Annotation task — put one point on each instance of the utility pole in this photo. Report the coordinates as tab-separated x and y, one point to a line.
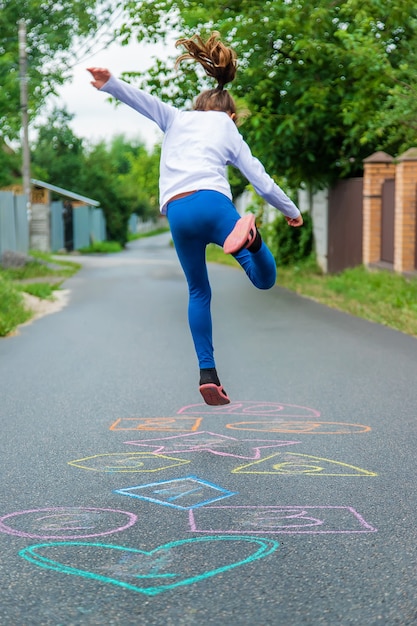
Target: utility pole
25	117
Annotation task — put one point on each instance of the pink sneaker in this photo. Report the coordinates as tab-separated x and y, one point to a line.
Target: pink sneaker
214	394
242	235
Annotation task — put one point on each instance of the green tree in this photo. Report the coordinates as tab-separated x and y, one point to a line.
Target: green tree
140	183
123	178
53	28
396	119
57	156
121	174
101	185
313	74
9	165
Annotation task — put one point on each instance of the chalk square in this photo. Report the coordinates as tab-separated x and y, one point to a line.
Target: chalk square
278	520
158	424
185	493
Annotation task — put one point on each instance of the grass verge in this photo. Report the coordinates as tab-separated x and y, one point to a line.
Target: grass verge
12	308
102	247
31	278
376	295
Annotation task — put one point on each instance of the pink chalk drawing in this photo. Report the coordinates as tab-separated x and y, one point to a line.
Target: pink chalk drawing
277	520
203	441
275	417
249	408
66	522
170	424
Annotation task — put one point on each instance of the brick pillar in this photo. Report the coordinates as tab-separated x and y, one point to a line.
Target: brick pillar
405	212
377	168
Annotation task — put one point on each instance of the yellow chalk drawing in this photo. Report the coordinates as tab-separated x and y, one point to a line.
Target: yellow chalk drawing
166	424
301	427
294	463
115	462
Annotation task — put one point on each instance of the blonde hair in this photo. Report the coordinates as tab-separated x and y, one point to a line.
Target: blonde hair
219	62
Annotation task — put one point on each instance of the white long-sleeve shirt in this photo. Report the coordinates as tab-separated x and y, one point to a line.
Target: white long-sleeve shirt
197	148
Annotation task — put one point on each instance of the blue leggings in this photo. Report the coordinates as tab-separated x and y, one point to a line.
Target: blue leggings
196	220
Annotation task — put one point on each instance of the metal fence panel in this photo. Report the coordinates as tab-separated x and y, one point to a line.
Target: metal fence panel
57	226
81	224
7	222
133	223
103	231
97	225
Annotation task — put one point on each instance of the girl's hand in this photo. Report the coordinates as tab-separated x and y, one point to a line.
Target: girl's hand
100	75
294	221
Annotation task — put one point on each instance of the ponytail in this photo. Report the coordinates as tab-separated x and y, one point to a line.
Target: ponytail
218	61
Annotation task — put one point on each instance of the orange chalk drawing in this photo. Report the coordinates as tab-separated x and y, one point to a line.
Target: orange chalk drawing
301	428
166	424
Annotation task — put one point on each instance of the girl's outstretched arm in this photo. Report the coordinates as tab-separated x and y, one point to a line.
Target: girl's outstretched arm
101	76
145	103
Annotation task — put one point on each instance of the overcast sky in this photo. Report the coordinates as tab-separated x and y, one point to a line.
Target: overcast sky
96	118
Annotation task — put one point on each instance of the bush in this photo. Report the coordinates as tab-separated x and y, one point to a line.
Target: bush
289	245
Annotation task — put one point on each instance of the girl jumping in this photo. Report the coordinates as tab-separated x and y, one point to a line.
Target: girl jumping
195	195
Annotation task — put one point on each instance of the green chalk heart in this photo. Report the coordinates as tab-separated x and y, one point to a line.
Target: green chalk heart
166	567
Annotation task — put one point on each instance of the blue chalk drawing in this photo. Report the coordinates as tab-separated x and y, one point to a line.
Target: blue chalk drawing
185	493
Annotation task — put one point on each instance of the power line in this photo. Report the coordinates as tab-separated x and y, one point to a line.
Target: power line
82	55
84	58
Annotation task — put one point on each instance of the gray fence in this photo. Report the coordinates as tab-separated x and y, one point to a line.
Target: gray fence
139	226
14	225
87	225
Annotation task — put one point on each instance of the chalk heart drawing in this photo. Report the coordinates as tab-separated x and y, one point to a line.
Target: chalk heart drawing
171	565
66	522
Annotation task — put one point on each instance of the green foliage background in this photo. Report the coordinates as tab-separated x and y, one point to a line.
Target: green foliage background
327	83
120	174
289	245
54	31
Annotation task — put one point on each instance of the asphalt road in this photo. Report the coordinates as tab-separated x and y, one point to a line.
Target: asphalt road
127	501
